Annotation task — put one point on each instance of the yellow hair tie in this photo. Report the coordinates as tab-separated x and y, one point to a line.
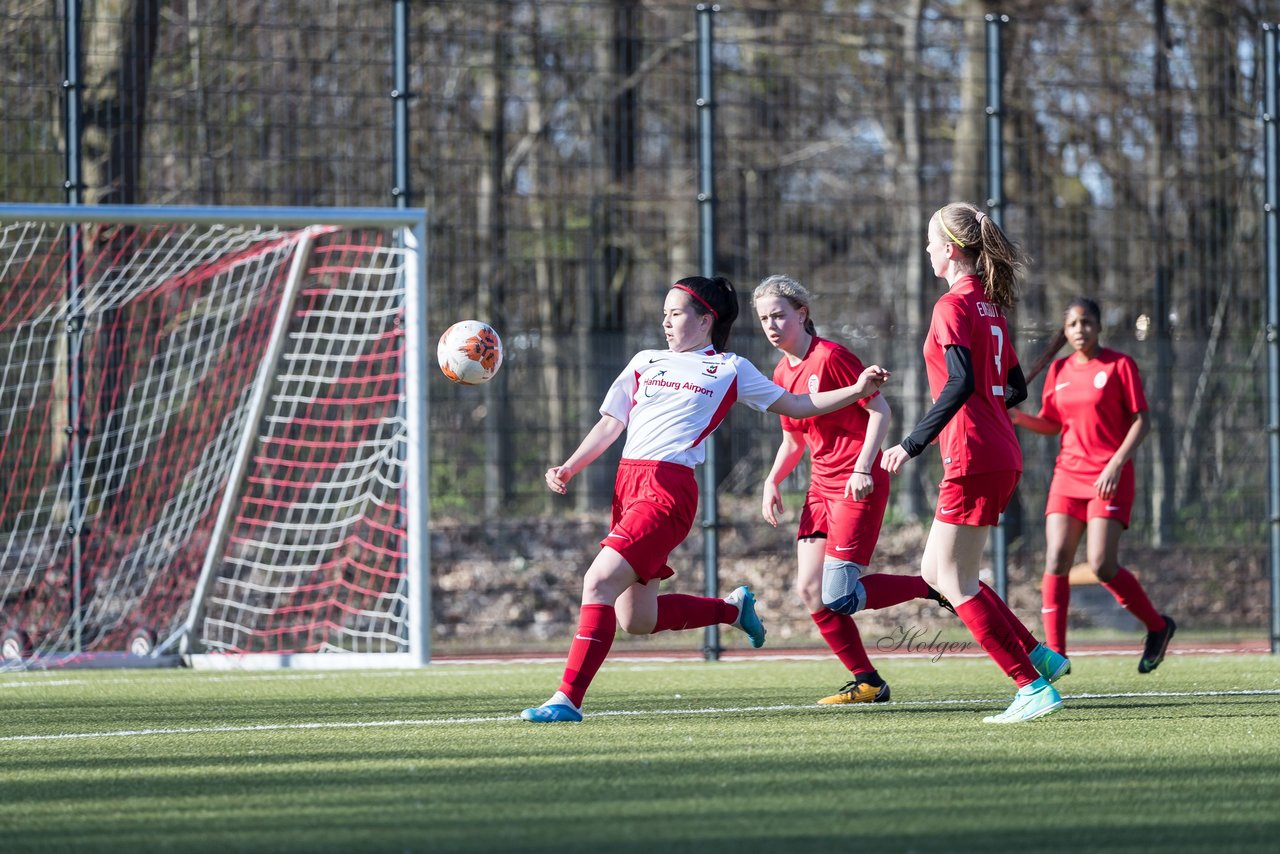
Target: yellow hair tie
957	241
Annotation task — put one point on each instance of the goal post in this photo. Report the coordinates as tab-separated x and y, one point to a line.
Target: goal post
213	436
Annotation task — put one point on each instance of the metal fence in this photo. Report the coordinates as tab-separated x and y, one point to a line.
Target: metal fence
555	145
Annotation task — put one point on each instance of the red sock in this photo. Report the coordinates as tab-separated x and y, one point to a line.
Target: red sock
842	635
993	634
591	642
1019	629
1129	593
885	589
681	611
1055	594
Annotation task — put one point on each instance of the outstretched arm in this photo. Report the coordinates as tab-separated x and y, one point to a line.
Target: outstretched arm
597	440
822	402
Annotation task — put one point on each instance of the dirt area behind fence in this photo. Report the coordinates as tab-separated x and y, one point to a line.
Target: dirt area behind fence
518	583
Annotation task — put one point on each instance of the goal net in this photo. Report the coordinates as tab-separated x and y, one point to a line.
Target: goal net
208	433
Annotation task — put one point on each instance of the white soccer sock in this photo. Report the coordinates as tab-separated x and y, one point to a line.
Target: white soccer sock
559	699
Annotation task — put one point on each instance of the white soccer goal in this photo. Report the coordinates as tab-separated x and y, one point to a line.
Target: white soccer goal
212	435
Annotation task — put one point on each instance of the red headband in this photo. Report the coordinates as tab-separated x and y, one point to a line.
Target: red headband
705	304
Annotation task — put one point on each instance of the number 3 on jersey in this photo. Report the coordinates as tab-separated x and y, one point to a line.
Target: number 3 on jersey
998	333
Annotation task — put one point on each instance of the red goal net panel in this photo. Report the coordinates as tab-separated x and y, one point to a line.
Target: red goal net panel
203	426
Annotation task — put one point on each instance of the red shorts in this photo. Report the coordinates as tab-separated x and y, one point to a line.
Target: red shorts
653	508
852	528
976	499
1118	506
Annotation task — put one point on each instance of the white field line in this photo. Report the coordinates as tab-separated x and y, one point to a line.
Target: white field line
487	667
861	709
921	652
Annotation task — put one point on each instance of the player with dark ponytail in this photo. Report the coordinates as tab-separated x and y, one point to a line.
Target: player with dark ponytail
719	297
1095	400
667	401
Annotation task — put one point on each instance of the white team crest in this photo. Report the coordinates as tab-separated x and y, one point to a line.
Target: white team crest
813	383
1100	379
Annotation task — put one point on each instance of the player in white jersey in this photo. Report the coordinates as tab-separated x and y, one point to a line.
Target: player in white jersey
668	402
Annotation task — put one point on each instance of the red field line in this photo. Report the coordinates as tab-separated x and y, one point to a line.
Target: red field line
1250	646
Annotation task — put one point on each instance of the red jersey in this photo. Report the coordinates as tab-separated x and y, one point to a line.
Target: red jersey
1095	402
980	437
834	440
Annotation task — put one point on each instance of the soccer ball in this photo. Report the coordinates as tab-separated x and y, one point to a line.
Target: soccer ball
469	352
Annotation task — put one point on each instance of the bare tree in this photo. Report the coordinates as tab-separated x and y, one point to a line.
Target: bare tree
119	51
1213	237
550	302
603	323
912	220
968	148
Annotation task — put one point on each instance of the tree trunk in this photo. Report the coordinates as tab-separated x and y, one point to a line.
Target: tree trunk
968	149
119	50
605	323
914	216
208	188
1211	225
550	307
491	227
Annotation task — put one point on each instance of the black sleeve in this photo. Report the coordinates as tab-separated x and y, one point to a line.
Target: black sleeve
1017	390
957	390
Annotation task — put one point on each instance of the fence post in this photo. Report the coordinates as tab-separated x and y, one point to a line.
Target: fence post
414	364
995	209
400	103
1270	117
74	319
707	267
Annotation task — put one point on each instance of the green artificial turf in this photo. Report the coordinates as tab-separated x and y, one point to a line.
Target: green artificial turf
686	755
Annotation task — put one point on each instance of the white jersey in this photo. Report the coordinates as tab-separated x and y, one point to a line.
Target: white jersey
670	402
